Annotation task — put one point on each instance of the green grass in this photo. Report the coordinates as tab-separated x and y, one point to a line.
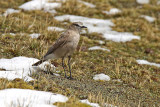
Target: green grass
140	84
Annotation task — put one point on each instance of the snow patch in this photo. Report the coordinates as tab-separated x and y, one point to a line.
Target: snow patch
10	11
101	77
34	35
120	36
100	26
54	29
94	25
101	42
17	63
11	75
148	18
87	4
112	11
89	103
143	1
12	34
40	5
29	98
51	11
109	105
20	67
98	48
117	80
147	63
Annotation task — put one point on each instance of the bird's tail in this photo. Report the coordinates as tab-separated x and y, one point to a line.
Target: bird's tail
38	63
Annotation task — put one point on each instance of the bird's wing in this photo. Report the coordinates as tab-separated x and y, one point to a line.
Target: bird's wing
59	43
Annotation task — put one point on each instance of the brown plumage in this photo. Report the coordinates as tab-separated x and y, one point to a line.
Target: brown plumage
64	46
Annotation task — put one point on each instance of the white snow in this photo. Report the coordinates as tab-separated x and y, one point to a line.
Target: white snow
98	48
91	104
39	5
12	34
112	11
101	42
117	80
94	25
87	4
20	67
51	11
17	63
34	35
147	63
10	11
100	26
11	75
148	18
120	36
56	74
142	1
109	105
101	77
29	98
54	29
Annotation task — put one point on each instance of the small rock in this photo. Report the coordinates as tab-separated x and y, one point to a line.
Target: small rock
148	51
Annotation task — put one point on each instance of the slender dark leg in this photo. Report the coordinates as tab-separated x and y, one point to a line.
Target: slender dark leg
69	65
64	67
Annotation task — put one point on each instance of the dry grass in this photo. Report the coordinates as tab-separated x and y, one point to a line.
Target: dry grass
140	84
72	102
16	83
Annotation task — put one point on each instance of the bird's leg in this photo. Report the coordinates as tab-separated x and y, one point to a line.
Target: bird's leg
69	65
64	67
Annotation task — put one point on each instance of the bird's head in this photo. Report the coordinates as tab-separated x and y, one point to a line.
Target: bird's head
77	26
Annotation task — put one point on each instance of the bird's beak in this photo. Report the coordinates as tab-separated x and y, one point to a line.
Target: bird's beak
83	27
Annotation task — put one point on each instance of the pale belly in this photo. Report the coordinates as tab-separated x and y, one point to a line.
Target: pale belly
65	50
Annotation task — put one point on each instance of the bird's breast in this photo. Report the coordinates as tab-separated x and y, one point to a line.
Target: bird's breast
75	40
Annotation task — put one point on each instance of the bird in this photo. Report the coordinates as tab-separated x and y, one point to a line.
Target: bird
64	46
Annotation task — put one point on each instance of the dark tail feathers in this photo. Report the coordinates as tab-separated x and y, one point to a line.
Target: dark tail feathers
38	63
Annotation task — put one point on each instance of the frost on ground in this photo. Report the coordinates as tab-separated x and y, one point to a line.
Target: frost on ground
40	5
10	11
148	18
142	1
101	77
98	48
147	63
100	26
54	29
112	11
91	104
34	35
29	98
20	67
87	4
